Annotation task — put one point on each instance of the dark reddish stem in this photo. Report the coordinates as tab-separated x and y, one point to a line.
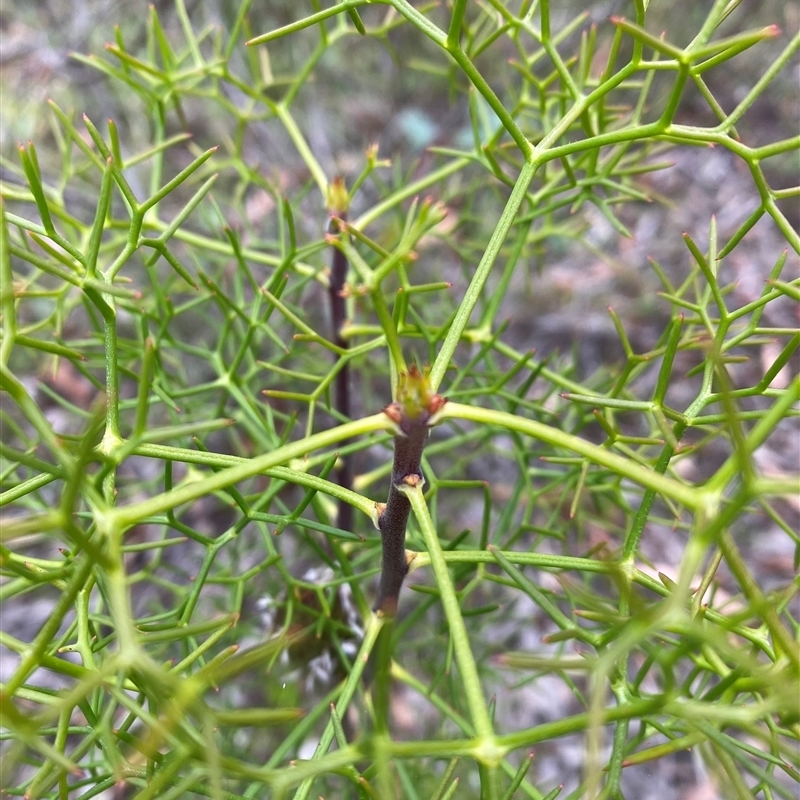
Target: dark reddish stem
414	425
341	386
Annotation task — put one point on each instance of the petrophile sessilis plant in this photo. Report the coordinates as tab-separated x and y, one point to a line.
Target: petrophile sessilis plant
213	308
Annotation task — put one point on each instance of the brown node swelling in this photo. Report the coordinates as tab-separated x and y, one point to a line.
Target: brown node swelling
412	415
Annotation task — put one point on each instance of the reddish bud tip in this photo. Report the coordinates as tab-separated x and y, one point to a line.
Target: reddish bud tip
394	412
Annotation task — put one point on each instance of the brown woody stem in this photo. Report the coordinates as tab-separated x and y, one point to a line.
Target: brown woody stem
412	414
337	202
341	400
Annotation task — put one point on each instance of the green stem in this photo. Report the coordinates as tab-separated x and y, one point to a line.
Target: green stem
763	428
456	21
410	190
374	626
783	639
7	299
302	147
420	22
475	288
307	22
19	394
689	496
458	631
32	657
397	362
758	88
126	516
112	437
460	57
